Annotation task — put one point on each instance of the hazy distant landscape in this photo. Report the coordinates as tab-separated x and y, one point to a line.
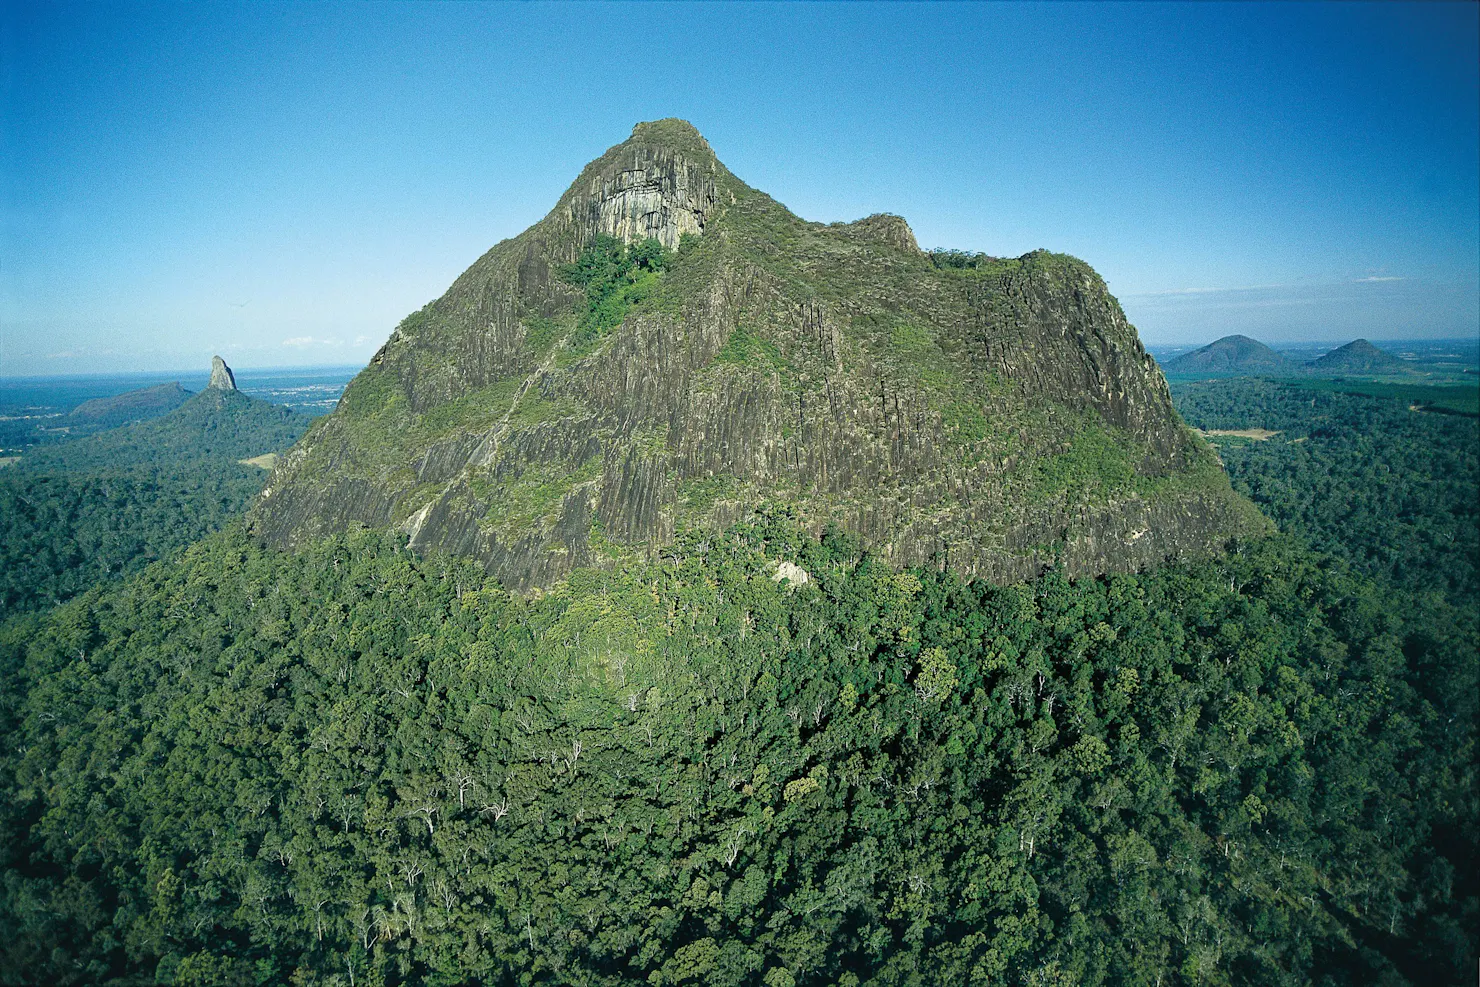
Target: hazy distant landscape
35	410
1440	356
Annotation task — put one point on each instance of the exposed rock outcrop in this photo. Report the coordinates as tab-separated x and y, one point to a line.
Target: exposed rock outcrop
222	379
991	419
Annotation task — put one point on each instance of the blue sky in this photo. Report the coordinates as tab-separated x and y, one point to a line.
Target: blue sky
282	183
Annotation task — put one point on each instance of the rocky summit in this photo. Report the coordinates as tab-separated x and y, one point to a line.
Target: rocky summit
222	379
671	349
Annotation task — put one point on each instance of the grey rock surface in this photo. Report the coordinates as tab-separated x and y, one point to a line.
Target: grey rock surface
993	419
222	379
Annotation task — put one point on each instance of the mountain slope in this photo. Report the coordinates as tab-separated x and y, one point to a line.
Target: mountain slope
1231	354
1358	355
215	424
571	398
146	402
101	507
354	765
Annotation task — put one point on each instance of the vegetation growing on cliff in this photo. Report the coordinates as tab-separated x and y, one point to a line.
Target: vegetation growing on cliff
615	276
834	368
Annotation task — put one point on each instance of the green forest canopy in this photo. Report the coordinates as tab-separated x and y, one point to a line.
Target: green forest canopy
353	765
106	505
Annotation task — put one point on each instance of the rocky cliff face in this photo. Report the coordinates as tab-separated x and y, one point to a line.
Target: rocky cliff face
222	379
989	416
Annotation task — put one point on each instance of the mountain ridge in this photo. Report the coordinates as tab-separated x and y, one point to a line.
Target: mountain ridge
995	418
139	404
215	424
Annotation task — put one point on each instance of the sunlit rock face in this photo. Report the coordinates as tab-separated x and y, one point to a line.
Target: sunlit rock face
659	193
990	415
222	379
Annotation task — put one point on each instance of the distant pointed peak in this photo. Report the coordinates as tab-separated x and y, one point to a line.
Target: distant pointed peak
222	379
673	133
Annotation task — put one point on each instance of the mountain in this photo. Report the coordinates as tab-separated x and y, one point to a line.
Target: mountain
1358	355
146	402
219	423
101	507
222	379
670	348
1231	354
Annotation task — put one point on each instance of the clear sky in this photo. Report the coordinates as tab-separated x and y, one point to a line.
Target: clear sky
283	183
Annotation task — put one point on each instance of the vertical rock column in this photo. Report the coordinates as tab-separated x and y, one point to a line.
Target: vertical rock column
222	378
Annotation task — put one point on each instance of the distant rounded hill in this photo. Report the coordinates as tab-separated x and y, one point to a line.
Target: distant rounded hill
1358	355
1231	354
147	402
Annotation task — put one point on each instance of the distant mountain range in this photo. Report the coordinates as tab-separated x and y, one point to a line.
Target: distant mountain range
146	402
1242	355
219	423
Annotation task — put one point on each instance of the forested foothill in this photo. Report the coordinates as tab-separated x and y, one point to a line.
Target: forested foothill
356	765
105	505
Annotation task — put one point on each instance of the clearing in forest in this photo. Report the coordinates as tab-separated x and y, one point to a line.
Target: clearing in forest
1257	434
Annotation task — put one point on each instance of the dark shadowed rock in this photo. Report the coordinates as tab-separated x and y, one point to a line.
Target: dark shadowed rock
990	418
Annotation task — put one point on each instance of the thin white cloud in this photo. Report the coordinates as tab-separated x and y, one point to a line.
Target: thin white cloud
1205	291
303	342
1241	289
76	352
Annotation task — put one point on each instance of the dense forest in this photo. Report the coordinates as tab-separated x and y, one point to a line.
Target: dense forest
1394	490
106	505
1390	489
353	765
62	531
